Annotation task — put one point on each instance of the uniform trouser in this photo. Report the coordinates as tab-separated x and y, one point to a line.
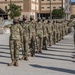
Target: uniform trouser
50	38
66	31
25	46
45	42
54	37
62	35
57	37
74	46
69	30
39	43
32	45
74	40
14	49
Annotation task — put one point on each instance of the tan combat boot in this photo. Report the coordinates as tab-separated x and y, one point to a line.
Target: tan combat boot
26	58
40	51
16	63
12	63
22	58
49	44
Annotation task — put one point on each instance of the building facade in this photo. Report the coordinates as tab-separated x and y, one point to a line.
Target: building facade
38	8
68	8
47	6
73	8
29	7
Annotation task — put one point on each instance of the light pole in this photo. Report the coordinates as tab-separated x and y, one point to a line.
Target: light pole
10	1
50	11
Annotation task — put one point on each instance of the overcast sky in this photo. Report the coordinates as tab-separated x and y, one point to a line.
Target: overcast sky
73	0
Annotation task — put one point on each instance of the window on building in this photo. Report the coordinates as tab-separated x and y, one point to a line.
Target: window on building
5	0
42	7
54	7
54	0
5	7
48	7
60	7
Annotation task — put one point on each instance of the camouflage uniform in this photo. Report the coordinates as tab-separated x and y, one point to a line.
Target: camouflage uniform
25	44
58	32
32	37
54	33
14	42
45	35
39	33
50	33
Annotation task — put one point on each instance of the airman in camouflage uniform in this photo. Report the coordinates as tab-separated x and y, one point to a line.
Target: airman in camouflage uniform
50	33
54	32
14	42
32	37
39	35
58	32
25	44
45	34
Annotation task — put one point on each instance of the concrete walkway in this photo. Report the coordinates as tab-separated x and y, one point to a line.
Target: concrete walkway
54	61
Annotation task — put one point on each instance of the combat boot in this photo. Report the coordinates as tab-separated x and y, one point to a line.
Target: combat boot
32	55
26	58
16	63
22	58
12	63
37	51
40	51
49	44
73	57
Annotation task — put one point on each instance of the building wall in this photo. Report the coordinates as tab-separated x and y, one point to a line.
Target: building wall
4	3
47	6
73	9
68	8
34	7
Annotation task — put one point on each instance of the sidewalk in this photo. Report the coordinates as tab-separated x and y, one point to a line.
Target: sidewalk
54	61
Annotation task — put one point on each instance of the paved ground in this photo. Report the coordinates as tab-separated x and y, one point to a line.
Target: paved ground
55	61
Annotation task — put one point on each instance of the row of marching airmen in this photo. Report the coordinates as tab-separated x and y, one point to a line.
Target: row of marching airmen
34	36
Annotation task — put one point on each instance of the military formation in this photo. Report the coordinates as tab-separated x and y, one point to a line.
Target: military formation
34	36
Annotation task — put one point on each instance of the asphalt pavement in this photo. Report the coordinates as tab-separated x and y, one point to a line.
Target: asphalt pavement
54	61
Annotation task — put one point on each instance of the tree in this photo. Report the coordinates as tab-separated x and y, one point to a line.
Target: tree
58	13
14	11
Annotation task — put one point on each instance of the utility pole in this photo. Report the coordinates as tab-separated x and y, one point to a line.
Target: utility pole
10	1
35	10
50	10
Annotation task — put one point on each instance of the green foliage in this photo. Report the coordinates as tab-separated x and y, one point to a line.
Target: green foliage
58	13
14	10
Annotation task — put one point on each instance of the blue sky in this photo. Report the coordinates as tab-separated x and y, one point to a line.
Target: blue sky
72	0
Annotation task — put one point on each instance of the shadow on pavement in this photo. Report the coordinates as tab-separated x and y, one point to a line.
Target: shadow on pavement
4	56
5	45
4	52
3	63
65	45
54	58
58	51
4	48
54	68
55	55
60	48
